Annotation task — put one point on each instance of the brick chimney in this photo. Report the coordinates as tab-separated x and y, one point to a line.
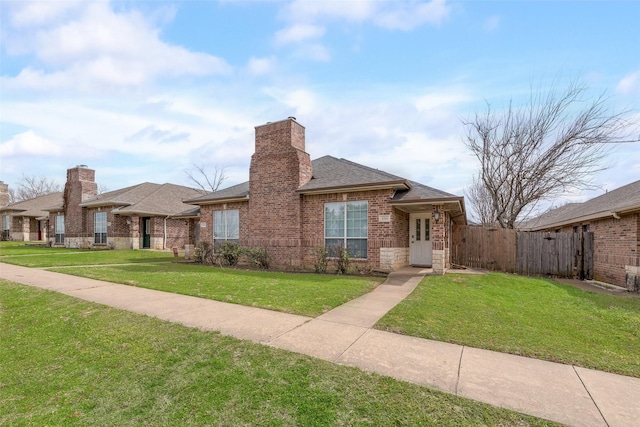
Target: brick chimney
4	194
279	167
80	186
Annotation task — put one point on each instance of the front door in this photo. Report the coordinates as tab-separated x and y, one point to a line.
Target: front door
146	233
420	239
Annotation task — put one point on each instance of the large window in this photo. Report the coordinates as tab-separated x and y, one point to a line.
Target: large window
59	229
226	227
6	227
100	228
346	225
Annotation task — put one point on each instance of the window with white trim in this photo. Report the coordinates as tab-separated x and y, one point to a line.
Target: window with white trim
100	228
6	227
226	227
59	229
346	225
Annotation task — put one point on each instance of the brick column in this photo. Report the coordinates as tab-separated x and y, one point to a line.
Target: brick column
438	240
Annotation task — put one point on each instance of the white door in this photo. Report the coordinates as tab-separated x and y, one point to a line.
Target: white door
420	239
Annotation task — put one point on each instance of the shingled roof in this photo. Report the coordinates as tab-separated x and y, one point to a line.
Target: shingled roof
146	199
613	203
36	207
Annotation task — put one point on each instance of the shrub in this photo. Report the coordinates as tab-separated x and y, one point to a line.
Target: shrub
342	259
260	257
321	259
203	253
230	252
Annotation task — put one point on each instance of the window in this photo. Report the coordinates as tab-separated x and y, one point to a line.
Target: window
59	229
226	227
346	225
100	228
6	227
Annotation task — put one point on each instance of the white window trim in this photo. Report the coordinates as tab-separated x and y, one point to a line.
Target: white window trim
345	239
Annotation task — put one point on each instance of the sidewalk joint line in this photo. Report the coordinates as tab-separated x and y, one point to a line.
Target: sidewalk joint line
290	330
459	368
335	359
590	396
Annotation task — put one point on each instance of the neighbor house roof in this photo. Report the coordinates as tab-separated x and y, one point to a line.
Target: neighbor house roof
146	199
614	203
331	174
36	207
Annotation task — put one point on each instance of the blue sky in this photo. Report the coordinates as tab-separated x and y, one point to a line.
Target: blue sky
140	91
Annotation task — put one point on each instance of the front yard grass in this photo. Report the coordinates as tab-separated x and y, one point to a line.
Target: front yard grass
526	316
298	293
74	363
30	255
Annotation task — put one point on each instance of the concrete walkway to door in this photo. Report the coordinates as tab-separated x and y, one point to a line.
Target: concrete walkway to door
563	393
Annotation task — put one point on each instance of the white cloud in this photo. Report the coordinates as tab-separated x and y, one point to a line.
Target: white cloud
409	15
100	47
33	13
299	32
31	144
260	66
301	101
629	84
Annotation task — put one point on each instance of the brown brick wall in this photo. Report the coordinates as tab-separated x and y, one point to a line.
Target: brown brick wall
80	186
279	167
616	244
206	217
391	234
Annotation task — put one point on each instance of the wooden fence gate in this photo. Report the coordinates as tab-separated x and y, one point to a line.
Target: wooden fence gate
526	253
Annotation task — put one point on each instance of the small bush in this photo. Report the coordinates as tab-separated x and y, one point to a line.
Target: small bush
342	259
259	257
321	259
203	253
230	252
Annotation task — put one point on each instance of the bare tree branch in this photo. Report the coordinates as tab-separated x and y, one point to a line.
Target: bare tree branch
30	186
206	180
553	144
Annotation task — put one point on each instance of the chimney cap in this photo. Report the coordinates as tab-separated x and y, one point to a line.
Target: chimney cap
82	166
292	118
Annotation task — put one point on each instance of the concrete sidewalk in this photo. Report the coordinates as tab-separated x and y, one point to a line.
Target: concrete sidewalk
563	393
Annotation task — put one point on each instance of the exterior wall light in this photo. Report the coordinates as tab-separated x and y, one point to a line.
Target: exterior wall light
436	214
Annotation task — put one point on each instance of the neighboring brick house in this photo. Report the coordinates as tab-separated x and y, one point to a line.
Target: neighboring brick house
137	217
614	219
292	205
26	220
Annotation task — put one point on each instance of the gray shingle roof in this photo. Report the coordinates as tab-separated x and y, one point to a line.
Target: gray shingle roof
35	207
146	198
625	198
330	172
240	191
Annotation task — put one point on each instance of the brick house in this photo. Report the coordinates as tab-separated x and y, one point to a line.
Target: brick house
136	217
26	220
614	219
292	205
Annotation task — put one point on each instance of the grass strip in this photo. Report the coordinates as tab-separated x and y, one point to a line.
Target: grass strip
73	363
298	293
526	316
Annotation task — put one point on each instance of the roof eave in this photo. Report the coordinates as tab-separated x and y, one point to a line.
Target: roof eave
217	201
394	185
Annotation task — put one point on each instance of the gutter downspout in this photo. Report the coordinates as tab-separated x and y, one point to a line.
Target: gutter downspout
164	243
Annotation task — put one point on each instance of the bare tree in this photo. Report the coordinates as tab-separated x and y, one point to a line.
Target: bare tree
554	143
479	198
30	186
207	180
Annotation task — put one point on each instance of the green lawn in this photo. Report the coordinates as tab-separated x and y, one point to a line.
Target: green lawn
67	362
297	293
19	253
526	316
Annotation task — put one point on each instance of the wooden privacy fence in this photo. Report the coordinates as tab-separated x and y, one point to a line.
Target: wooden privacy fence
527	253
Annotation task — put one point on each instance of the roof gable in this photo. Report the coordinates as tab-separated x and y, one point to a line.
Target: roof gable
36	207
146	198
